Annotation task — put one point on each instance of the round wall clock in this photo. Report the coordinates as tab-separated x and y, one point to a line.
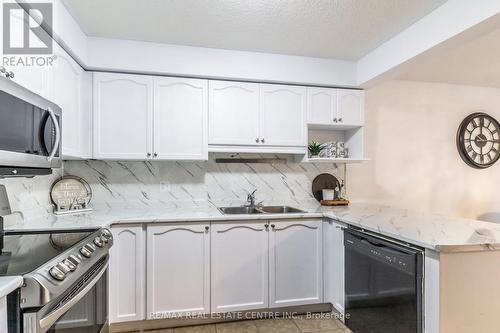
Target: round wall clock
478	140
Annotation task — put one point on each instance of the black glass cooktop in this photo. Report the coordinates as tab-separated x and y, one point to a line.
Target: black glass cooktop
24	252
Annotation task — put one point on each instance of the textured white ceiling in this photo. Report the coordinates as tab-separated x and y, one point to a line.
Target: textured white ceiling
475	63
342	29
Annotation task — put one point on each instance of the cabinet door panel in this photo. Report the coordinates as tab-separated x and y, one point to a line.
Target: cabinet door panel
66	85
282	115
180	119
123	110
295	263
333	267
321	105
178	276
127	274
239	266
233	113
350	106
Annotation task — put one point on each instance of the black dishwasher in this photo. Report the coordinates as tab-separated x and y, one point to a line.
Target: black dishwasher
383	284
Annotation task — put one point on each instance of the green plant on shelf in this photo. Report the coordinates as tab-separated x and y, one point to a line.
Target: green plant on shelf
315	148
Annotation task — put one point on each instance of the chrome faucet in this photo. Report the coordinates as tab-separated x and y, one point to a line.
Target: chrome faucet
251	199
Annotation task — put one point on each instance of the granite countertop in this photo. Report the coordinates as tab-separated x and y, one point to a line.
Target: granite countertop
431	231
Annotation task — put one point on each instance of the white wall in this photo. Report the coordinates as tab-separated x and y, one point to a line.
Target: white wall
410	137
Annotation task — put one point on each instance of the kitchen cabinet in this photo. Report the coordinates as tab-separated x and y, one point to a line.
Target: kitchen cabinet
180	118
282	115
139	117
234	113
71	89
333	263
340	107
123	113
127	274
178	269
239	269
256	115
295	263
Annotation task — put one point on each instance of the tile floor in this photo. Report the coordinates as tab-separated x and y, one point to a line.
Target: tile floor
300	324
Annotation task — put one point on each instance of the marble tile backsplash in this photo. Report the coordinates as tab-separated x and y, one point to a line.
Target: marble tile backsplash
175	184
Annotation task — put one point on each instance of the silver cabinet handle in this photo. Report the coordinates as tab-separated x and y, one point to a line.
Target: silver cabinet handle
2	69
257	140
10	75
148	154
207	228
340	120
334	120
58	135
155	155
262	140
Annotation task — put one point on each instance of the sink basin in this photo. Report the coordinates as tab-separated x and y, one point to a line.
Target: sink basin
280	210
260	210
239	210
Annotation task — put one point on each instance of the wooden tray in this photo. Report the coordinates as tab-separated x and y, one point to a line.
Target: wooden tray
341	202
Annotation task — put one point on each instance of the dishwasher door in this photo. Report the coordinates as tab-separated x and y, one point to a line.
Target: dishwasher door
383	285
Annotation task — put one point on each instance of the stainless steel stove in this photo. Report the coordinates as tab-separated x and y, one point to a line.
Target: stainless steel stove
65	280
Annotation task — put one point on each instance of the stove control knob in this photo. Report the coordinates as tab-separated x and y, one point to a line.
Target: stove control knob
70	265
98	242
85	252
57	274
104	239
89	247
63	268
107	234
74	260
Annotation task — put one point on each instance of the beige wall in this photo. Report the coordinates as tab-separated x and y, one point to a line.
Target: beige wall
410	138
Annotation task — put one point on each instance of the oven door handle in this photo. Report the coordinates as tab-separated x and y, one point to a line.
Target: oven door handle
58	135
49	320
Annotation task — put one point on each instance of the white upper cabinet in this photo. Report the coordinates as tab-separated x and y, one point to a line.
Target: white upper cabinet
123	111
180	118
321	105
341	107
70	90
350	107
127	274
233	113
178	269
295	263
282	115
239	266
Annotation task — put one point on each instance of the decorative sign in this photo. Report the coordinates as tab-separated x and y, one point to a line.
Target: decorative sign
71	194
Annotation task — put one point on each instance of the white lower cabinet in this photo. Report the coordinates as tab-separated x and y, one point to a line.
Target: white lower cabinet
333	263
127	274
178	269
239	274
295	263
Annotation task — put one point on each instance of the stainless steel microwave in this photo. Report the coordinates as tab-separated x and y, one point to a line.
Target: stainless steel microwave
30	128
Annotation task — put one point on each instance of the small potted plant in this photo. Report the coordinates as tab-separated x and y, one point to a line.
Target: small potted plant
314	149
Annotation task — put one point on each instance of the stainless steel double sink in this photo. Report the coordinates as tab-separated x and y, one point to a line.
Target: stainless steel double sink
260	210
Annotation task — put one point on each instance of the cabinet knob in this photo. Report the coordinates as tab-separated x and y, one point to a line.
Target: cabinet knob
2	69
155	155
340	120
207	228
257	140
10	74
148	154
273	226
266	226
334	120
262	140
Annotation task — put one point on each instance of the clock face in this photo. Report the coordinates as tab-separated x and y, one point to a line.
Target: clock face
478	140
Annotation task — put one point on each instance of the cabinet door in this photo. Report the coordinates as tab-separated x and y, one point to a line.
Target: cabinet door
178	276
321	105
233	113
350	107
239	266
66	81
295	263
333	272
180	119
127	274
282	115
123	110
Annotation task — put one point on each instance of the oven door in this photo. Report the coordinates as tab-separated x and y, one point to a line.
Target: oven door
83	309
